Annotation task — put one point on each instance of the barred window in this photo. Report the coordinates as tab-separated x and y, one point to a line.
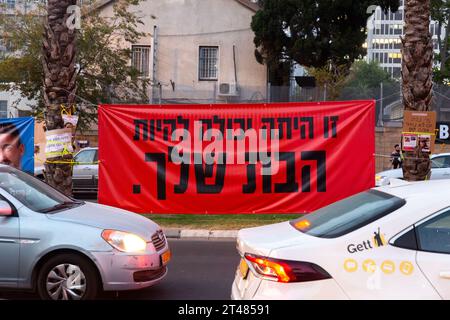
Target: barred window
208	58
141	60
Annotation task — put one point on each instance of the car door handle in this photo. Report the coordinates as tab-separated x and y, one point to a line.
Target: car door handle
445	275
87	168
7	241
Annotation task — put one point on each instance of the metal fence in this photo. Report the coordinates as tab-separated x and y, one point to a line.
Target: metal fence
388	97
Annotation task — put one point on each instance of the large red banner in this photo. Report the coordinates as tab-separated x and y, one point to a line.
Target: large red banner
235	159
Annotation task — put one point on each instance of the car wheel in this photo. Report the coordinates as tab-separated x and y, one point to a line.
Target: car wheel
68	277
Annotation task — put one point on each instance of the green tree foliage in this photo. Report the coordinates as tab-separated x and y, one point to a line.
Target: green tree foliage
313	33
332	80
364	82
103	59
370	75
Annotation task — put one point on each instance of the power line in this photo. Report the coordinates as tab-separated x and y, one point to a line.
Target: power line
203	34
81	98
396	93
440	94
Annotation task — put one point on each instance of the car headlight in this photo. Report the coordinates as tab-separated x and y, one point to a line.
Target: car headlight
124	241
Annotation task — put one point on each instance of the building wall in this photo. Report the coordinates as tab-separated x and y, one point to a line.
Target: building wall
14	100
390	58
185	25
14	103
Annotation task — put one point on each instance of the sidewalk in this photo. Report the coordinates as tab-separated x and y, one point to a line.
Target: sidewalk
175	233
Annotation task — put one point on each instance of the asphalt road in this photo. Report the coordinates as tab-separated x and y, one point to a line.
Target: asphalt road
199	270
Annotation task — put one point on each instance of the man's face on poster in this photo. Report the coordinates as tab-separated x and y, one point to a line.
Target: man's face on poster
11	150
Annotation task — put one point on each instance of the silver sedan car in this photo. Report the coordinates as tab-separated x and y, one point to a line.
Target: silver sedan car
67	249
85	171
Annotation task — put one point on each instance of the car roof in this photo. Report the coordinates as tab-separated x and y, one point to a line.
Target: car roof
429	190
89	148
439	155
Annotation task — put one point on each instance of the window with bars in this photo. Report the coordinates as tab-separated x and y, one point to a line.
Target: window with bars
3	109
141	60
207	66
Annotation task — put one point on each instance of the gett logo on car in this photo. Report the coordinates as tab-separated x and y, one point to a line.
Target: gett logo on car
377	240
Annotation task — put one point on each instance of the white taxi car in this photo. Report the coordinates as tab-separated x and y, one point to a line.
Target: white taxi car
391	242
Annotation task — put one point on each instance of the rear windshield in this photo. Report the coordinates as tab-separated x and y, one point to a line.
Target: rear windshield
347	215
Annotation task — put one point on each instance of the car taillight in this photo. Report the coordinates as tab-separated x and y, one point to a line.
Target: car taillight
286	271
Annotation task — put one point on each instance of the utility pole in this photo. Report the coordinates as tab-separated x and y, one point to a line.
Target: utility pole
380	114
155	63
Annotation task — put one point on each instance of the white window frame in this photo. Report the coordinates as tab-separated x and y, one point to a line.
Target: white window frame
142	66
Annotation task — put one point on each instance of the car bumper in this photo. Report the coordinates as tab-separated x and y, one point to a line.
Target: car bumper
270	290
123	271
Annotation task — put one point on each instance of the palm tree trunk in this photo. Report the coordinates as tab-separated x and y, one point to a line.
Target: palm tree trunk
59	84
417	87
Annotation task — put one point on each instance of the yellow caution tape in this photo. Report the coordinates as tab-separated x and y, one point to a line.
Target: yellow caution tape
420	133
68	111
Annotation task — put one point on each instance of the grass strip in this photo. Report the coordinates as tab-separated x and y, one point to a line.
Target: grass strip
219	222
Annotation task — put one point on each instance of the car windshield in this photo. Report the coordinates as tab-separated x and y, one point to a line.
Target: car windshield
347	215
33	193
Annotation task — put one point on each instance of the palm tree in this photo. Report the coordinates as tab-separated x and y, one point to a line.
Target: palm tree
59	50
417	87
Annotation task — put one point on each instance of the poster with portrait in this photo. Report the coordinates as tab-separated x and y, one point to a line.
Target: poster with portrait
422	125
17	143
70	122
409	142
425	142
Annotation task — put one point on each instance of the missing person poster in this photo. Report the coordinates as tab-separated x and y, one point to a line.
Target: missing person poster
419	131
59	143
17	143
409	142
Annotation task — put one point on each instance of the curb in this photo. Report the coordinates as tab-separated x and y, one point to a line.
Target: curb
172	233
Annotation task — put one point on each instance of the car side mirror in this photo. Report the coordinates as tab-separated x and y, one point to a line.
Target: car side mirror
5	209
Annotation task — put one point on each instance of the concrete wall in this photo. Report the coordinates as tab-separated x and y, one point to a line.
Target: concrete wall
183	26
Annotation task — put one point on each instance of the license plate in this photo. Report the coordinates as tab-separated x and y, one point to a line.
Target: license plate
243	269
165	257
